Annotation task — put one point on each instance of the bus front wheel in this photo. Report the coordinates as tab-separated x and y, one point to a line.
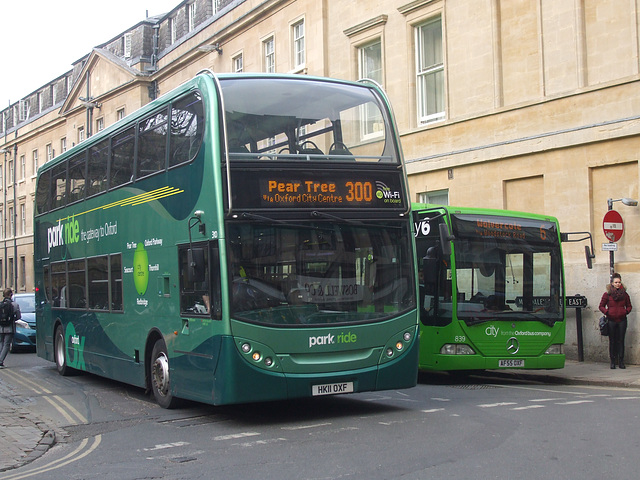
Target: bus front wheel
59	350
159	374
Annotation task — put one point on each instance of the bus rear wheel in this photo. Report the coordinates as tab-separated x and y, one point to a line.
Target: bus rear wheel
59	351
159	375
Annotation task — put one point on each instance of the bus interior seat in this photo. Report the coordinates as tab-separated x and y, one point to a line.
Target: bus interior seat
309	148
339	148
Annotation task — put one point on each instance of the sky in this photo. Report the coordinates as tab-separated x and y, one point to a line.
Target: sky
42	38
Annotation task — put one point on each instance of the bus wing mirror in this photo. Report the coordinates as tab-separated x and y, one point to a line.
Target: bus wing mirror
588	251
589	255
196	266
445	239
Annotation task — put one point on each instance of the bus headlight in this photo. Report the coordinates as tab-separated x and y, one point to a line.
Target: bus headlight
246	348
555	349
456	349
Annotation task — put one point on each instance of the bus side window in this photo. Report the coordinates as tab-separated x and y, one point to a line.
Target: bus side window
121	165
77	174
43	195
186	130
200	293
97	168
59	187
152	144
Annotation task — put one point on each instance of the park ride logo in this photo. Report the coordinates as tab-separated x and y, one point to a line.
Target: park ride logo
331	339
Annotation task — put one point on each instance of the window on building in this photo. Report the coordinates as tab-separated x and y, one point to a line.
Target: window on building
39	102
99	124
12	223
430	71
268	47
80	134
191	14
53	94
23	167
10	276
120	114
63	145
216	6
370	66
1	229
25	109
298	44
237	63
23	272
438	197
173	30
126	45
23	219
12	177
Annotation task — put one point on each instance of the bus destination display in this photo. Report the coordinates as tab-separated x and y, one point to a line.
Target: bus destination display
505	227
284	189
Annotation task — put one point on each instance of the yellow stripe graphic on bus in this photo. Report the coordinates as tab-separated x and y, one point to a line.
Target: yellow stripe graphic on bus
139	199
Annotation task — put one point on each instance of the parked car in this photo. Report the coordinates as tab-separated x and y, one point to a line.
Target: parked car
25	337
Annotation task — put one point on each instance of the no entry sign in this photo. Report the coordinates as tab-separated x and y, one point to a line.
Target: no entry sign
612	225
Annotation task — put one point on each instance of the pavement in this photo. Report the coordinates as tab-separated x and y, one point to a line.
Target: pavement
24	437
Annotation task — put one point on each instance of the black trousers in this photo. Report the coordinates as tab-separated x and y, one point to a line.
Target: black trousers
617	331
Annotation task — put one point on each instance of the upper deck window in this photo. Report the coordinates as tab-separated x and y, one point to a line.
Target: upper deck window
304	120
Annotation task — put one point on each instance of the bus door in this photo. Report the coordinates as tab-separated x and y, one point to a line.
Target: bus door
196	345
434	269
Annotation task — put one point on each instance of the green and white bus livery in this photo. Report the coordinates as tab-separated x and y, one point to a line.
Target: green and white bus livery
242	238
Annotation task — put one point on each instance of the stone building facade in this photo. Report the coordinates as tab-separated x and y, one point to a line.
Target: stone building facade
516	104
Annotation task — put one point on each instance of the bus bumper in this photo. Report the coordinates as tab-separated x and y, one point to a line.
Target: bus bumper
251	384
445	363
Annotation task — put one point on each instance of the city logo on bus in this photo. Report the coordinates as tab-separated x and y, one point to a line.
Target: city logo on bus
386	194
331	339
492	331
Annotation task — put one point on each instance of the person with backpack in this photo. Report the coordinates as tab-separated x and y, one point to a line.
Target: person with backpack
616	305
9	315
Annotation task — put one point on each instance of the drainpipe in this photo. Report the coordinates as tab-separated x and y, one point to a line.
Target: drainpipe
4	217
15	219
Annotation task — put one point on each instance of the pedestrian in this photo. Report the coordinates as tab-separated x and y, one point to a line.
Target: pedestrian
9	315
616	305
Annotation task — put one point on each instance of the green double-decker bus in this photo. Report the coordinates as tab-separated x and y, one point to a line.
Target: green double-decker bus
491	289
242	238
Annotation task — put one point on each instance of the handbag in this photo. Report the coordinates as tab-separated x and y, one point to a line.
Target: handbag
603	323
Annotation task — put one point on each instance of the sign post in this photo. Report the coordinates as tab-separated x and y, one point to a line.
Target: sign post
613	228
578	302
